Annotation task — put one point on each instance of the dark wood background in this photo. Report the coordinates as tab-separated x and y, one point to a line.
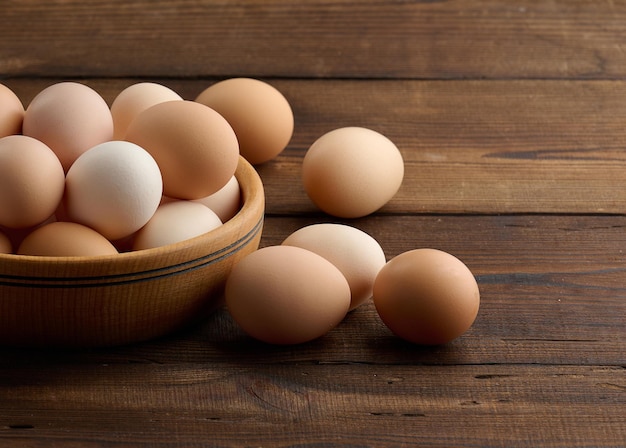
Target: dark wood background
511	117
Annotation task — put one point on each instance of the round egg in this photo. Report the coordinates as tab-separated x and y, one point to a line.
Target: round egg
5	244
31	181
114	187
174	222
11	112
226	201
352	172
195	147
426	296
65	239
133	100
70	118
259	114
286	295
356	254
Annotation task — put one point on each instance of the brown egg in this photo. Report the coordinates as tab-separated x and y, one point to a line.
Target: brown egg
426	296
32	181
194	146
259	114
65	239
358	256
286	295
70	118
352	172
11	112
133	100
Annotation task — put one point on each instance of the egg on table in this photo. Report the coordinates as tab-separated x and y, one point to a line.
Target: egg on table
286	295
426	296
351	172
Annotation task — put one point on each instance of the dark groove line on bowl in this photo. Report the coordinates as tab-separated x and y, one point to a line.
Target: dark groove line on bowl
122	279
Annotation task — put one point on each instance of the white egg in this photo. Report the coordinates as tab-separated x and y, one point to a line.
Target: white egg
114	187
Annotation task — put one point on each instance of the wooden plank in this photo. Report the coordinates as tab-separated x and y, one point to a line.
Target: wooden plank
552	293
469	146
250	404
401	39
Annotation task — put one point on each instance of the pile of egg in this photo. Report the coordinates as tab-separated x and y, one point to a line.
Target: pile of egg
78	177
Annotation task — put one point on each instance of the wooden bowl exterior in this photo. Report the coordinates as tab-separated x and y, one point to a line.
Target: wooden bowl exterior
130	297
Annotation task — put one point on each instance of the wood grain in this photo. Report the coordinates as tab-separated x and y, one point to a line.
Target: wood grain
371	39
510	117
255	405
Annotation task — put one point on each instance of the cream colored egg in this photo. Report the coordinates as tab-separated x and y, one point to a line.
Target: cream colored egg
286	295
258	112
352	172
195	147
358	256
176	221
426	296
11	112
226	201
133	100
31	181
65	239
70	118
115	188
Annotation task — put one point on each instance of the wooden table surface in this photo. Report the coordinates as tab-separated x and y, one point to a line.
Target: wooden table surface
511	118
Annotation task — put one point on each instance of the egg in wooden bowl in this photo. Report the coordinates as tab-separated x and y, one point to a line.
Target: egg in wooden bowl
108	300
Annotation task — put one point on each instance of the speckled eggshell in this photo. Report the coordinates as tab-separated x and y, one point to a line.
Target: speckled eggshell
352	172
11	112
286	295
65	239
115	188
31	181
258	112
426	296
357	255
195	147
133	100
70	118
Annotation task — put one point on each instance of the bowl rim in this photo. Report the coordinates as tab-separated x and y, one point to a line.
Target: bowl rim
251	191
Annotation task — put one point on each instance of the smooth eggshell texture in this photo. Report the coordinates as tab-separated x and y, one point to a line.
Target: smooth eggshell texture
226	201
426	296
11	112
258	112
133	100
5	244
358	256
115	188
195	147
286	295
70	118
174	222
352	172
65	239
31	181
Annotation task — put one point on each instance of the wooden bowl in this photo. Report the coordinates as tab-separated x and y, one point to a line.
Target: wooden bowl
129	297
